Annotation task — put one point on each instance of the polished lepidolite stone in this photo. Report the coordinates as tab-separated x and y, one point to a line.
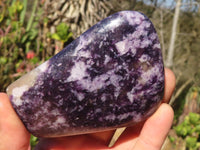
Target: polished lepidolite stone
109	77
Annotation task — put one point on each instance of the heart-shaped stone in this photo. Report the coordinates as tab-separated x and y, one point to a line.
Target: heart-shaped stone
109	77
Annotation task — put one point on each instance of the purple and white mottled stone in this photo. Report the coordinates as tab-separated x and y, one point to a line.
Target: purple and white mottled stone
109	77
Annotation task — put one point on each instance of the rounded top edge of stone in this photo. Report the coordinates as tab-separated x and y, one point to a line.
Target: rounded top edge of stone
134	17
132	13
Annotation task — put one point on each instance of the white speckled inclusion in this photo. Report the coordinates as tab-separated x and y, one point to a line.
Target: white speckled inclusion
18	88
17	93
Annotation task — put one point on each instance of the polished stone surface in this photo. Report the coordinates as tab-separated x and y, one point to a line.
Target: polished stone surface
111	76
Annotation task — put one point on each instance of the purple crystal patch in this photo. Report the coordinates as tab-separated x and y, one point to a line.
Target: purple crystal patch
109	77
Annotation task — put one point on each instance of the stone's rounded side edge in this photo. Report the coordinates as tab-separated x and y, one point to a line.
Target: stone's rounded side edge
21	85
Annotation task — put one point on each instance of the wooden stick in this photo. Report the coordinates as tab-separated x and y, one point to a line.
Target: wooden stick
116	136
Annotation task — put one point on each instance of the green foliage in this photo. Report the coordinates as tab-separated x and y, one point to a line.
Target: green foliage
15	9
24	39
33	141
189	130
194	119
30	23
191	143
3	60
17	37
171	139
62	33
